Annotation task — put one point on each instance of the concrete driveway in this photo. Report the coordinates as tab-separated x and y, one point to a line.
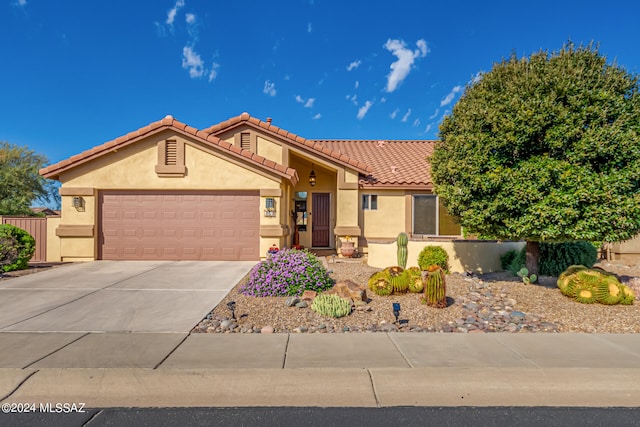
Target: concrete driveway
117	296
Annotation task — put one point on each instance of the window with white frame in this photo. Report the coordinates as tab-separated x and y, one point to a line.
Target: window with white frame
370	202
431	218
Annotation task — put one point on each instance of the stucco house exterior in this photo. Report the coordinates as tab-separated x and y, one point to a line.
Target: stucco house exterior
233	190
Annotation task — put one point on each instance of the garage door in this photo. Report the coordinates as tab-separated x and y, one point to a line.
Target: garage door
179	225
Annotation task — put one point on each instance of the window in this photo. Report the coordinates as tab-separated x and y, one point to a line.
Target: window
370	202
300	204
431	218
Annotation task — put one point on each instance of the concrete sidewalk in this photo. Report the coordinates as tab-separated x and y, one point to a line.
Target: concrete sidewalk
366	369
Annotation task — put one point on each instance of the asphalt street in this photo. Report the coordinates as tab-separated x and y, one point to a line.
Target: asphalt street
329	417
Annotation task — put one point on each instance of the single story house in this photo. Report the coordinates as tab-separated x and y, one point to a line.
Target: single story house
168	191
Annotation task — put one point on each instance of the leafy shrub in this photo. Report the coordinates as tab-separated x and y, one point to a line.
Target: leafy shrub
506	258
556	257
287	272
518	261
16	248
433	255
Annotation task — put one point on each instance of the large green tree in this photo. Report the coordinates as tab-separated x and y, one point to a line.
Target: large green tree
544	148
20	182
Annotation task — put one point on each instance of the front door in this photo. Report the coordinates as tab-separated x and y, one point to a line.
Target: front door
320	219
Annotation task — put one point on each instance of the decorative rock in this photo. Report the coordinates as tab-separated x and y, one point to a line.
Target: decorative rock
267	329
291	301
302	304
389	327
300	329
349	290
225	324
308	296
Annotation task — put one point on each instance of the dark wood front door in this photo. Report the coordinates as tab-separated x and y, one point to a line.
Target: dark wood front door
320	219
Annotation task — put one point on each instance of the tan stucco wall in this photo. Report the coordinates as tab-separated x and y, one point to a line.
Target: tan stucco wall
269	150
464	255
351	176
53	241
389	219
134	167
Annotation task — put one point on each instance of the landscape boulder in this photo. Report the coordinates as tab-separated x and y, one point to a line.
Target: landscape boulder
349	290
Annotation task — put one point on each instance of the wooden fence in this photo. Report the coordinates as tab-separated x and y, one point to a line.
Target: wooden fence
37	227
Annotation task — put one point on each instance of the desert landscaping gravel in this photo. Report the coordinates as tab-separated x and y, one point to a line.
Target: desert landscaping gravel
492	302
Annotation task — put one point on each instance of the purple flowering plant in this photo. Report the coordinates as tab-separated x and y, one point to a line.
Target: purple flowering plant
287	272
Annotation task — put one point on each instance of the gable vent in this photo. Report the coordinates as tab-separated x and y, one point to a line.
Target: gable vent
171	153
245	141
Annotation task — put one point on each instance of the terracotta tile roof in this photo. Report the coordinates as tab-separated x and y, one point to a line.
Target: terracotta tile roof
307	144
400	164
53	171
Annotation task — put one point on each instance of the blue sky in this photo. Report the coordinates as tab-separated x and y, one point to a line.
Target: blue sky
76	74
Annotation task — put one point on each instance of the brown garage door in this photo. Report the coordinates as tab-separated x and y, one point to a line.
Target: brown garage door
179	225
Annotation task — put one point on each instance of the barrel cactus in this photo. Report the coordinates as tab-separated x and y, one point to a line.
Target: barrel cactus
594	285
331	305
415	279
399	279
435	291
380	283
402	242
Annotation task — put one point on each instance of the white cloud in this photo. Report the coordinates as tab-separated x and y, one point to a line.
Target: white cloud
383	100
269	88
416	123
447	99
309	27
357	84
171	15
400	69
428	128
394	114
406	116
476	79
190	18
192	62
317	116
214	71
435	114
364	109
354	65
308	103
21	2
353	98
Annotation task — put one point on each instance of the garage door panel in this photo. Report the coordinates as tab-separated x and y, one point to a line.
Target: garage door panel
179	225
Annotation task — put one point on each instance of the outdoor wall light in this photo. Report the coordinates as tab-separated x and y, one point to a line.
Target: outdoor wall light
232	307
312	177
78	202
396	310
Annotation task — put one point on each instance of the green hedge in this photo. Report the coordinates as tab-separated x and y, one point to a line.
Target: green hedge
16	248
554	257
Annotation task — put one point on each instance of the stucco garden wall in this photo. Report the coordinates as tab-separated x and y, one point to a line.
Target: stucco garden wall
53	241
464	255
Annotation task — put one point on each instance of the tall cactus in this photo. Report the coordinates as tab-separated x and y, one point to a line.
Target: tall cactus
435	290
402	241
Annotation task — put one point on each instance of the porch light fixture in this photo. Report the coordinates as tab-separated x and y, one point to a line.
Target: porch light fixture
78	202
312	177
